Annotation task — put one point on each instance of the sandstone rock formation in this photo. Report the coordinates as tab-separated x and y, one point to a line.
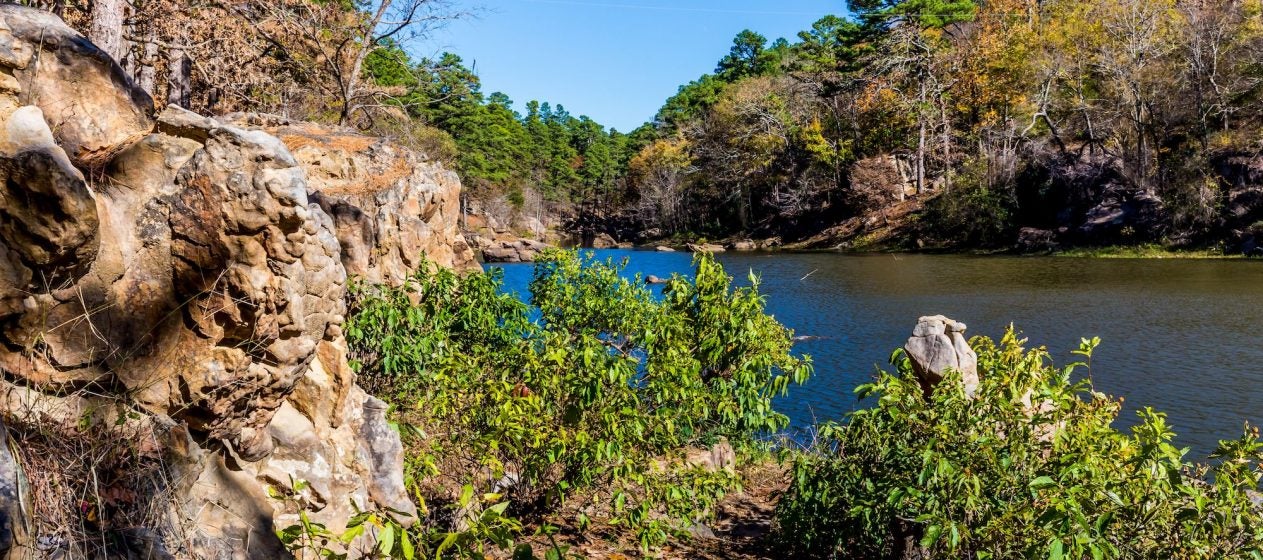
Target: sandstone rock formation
88	101
174	285
603	241
389	205
510	250
937	346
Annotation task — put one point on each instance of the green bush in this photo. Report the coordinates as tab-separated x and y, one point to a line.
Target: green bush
597	392
973	213
1030	468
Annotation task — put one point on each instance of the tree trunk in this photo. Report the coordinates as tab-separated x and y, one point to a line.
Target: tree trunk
350	84
106	30
146	71
921	141
179	78
947	142
743	207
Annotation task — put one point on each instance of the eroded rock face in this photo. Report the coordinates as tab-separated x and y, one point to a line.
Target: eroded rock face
389	205
188	299
48	216
937	346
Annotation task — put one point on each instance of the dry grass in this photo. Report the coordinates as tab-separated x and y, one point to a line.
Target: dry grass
362	181
95	493
324	140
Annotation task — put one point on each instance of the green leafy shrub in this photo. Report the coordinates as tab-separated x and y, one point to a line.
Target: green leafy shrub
1030	468
597	392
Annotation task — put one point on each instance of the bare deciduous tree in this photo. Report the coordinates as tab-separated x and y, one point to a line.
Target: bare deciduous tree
337	41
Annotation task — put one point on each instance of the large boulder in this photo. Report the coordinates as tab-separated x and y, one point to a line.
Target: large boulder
938	346
1124	214
878	181
510	250
705	248
49	226
603	241
1035	240
93	108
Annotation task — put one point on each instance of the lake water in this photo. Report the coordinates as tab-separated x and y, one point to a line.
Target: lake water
1182	336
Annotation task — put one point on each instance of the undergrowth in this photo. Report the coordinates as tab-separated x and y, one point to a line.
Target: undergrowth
1029	468
592	396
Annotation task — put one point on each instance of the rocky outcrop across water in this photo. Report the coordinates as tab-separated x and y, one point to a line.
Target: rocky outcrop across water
173	286
510	250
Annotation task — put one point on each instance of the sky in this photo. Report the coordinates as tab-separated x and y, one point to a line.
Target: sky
615	61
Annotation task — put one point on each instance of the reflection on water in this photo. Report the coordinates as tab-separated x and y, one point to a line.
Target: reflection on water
1182	336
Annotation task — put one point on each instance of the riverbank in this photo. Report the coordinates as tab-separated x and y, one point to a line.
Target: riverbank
1149	251
910	227
1146	251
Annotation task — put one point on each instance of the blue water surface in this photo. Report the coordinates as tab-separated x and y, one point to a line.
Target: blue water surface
1182	336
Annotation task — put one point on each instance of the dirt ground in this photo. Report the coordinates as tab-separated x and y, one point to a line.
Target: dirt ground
741	529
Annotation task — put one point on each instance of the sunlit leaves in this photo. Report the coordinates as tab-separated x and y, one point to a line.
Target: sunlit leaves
1032	468
600	384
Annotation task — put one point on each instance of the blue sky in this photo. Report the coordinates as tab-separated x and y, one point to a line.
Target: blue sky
613	60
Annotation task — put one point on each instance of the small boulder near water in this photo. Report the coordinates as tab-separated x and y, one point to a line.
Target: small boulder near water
1033	240
937	346
705	248
604	241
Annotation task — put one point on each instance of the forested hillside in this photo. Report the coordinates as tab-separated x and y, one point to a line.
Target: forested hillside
348	62
905	124
1104	121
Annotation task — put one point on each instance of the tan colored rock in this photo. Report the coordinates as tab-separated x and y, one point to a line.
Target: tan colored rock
196	287
49	226
390	205
603	241
705	248
94	110
938	346
511	250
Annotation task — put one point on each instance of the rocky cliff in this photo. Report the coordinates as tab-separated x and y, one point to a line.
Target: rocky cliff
171	300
